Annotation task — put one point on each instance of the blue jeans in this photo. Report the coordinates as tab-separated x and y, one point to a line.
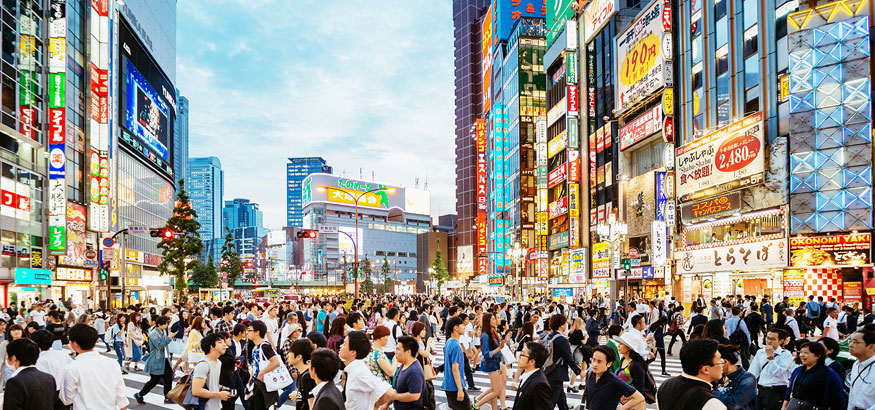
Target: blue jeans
103	337
136	353
119	351
284	395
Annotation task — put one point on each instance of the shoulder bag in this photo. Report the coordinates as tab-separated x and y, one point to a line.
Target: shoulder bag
278	378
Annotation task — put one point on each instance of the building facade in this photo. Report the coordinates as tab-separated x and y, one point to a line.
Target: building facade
180	138
244	220
297	169
206	188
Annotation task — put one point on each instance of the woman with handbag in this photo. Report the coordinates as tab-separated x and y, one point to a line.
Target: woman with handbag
378	363
814	386
491	345
577	339
192	353
118	337
426	350
135	342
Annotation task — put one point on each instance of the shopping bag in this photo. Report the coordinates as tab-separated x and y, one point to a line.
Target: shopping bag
175	347
277	379
507	356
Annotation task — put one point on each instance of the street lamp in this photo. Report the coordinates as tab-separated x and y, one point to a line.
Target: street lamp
516	255
356	198
614	232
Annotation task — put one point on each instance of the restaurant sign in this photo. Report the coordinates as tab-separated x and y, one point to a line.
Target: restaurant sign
830	250
721	205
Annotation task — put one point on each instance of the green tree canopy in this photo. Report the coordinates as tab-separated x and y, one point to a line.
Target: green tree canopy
231	264
180	252
439	270
204	276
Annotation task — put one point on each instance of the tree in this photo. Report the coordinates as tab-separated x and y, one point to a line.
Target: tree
384	271
204	276
439	270
231	264
179	252
367	285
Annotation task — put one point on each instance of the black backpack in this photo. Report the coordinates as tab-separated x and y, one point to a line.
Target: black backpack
649	392
738	337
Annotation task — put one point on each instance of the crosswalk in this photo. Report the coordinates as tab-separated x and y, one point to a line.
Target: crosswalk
134	381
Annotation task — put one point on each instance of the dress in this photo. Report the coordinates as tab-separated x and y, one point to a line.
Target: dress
373	364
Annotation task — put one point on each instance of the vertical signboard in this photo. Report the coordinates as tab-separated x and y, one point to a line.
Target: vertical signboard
486	50
57	197
98	176
640	58
480	138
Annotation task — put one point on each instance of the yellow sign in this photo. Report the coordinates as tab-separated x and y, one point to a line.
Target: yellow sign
640	59
784	92
373	199
668	101
696	104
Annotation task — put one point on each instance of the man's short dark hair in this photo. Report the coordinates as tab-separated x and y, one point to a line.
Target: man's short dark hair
227	309
43	339
302	347
258	326
352	318
537	353
614	330
780	332
318	339
25	350
325	364
392	313
85	336
608	352
216	311
556	321
209	342
868	337
830	344
359	343
409	344
698	353
452	322
162	320
636	320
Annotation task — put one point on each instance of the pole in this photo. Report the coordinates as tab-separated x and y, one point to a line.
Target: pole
355	244
121	265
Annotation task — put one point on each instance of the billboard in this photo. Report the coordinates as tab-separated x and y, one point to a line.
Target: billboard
728	159
328	188
641	127
507	12
640	58
486	68
57	128
147	109
417	201
757	255
830	250
558	11
601	260
596	15
76	238
345	245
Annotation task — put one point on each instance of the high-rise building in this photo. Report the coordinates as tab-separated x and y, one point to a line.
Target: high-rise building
296	170
206	187
467	18
245	222
180	138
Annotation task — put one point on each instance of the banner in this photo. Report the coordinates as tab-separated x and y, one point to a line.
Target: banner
728	159
601	260
641	127
830	250
757	255
717	206
794	285
639	58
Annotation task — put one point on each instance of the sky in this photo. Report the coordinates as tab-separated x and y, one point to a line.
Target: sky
367	85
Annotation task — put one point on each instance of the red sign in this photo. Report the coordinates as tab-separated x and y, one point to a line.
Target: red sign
558	207
852	292
25	126
556	176
13	200
481	181
480	132
482	266
100	6
633	253
666	17
573	99
592	101
641	127
56	125
668	130
573	165
99	91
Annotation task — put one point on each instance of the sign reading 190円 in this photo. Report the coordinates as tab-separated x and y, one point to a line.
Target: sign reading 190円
726	160
640	58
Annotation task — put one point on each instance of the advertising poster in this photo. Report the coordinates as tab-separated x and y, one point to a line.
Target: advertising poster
830	250
757	255
640	59
558	207
57	134
596	14
794	285
641	127
486	67
601	260
558	11
717	206
75	235
728	159
852	292
578	266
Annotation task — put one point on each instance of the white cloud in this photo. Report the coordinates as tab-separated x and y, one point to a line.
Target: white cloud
366	85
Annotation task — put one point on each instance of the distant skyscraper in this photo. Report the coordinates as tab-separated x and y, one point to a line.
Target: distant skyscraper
205	184
296	170
244	220
467	19
180	139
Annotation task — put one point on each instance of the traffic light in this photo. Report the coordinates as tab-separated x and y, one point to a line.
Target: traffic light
308	233
103	272
163	233
627	264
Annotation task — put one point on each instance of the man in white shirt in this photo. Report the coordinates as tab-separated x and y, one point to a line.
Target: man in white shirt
92	381
862	377
830	324
50	361
772	367
792	323
395	332
38	315
363	389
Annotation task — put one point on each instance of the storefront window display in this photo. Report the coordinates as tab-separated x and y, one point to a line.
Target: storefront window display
741	229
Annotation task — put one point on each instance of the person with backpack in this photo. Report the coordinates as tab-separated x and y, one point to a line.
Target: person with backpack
559	359
739	335
812	312
676	327
395	331
633	368
754	322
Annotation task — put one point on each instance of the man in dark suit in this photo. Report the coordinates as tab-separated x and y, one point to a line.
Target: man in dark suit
562	360
29	388
534	390
324	365
697	319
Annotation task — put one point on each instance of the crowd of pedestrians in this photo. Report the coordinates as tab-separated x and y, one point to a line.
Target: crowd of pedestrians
379	353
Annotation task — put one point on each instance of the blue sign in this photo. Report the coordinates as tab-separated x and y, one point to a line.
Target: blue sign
509	11
563	292
647	272
661	198
28	276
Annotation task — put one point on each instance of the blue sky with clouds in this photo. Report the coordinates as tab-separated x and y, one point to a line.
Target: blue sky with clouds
364	84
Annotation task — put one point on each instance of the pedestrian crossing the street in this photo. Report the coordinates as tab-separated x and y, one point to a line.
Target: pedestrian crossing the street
135	380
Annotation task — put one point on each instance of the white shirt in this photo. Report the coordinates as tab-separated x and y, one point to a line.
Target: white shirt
54	362
524	377
791	322
775	372
317	388
391	342
862	395
363	389
38	317
830	328
80	388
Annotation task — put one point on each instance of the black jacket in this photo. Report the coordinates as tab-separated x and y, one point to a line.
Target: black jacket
562	356
697	319
329	398
30	389
535	393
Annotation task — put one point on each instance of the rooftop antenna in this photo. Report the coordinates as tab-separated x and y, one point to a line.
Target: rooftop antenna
416	183
425	187
373	178
360	173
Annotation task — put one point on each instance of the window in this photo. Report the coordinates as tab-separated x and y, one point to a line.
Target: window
722	31
723	88
752	71
750	41
722	60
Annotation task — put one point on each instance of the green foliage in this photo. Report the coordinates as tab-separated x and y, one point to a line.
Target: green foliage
384	272
180	252
439	270
366	269
231	263
367	286
204	276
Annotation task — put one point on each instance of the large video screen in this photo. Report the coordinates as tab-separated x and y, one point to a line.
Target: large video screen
147	108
